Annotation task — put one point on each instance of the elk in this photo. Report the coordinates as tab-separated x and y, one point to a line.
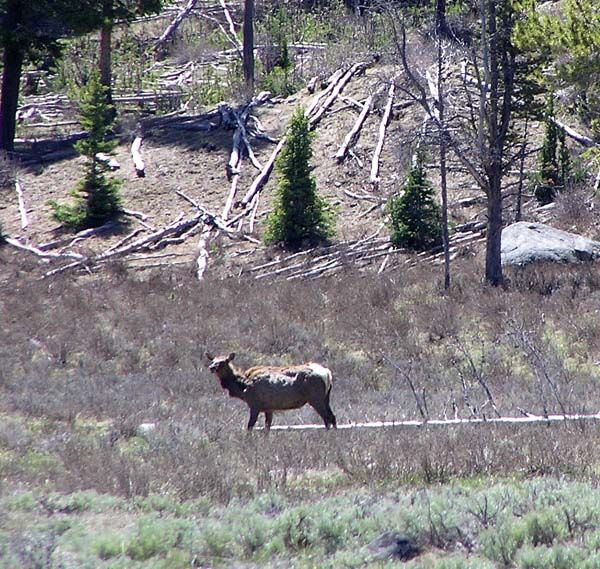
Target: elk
269	389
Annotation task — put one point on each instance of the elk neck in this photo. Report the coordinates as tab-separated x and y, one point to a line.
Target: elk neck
230	380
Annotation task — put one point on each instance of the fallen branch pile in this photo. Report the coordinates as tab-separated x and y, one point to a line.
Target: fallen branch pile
372	252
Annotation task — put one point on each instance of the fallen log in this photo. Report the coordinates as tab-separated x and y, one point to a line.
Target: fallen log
109	161
331	83
138	162
374	177
352	136
125	239
581	138
214	221
264	174
22	208
335	91
70	240
232	29
42	254
172	27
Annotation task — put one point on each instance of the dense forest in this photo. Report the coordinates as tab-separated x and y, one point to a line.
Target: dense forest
404	192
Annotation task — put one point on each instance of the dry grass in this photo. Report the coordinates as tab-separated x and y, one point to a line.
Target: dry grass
87	362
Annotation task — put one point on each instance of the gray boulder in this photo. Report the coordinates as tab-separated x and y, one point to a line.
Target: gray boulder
524	243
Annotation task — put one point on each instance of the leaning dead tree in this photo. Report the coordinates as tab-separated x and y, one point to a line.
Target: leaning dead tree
374	177
172	27
320	104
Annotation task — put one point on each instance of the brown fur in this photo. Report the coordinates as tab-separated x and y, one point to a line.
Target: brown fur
268	389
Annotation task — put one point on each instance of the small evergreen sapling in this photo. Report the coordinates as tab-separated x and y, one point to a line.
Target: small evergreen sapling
414	214
96	196
300	215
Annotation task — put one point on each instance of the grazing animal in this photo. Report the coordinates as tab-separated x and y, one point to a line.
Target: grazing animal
269	389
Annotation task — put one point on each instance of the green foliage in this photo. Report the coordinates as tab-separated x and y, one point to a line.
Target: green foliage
414	214
555	161
96	196
155	536
109	545
569	45
300	215
2	235
280	82
279	77
558	557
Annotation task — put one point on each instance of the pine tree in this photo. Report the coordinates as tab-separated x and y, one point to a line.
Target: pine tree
414	214
300	215
96	197
555	161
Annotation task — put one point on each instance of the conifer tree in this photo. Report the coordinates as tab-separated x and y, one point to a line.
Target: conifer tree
555	161
300	215
96	197
414	214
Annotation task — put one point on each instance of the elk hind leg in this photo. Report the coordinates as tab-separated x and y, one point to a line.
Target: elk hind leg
268	420
322	408
332	419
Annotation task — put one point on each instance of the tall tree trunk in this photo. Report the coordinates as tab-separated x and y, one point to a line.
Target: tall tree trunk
441	25
493	258
105	57
9	98
249	45
443	168
105	62
12	60
497	102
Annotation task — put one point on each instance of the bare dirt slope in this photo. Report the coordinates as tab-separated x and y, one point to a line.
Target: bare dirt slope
194	162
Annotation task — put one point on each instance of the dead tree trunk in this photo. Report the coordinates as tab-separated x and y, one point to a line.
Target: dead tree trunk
172	27
249	45
443	171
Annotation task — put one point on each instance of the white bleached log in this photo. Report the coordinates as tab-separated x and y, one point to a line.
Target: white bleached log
374	177
22	208
352	136
138	162
315	118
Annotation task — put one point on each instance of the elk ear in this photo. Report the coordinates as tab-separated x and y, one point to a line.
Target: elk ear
231	356
209	356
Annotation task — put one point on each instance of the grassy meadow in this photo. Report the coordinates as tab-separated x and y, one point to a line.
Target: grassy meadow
85	363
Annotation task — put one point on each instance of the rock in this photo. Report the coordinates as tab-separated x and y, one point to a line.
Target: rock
524	243
145	429
393	545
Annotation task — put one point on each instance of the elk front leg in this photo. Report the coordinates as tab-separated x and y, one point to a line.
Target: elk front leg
253	418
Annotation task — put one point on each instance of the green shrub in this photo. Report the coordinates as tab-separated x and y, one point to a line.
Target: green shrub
155	537
109	545
216	540
501	543
544	527
414	215
96	197
558	557
300	215
462	563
